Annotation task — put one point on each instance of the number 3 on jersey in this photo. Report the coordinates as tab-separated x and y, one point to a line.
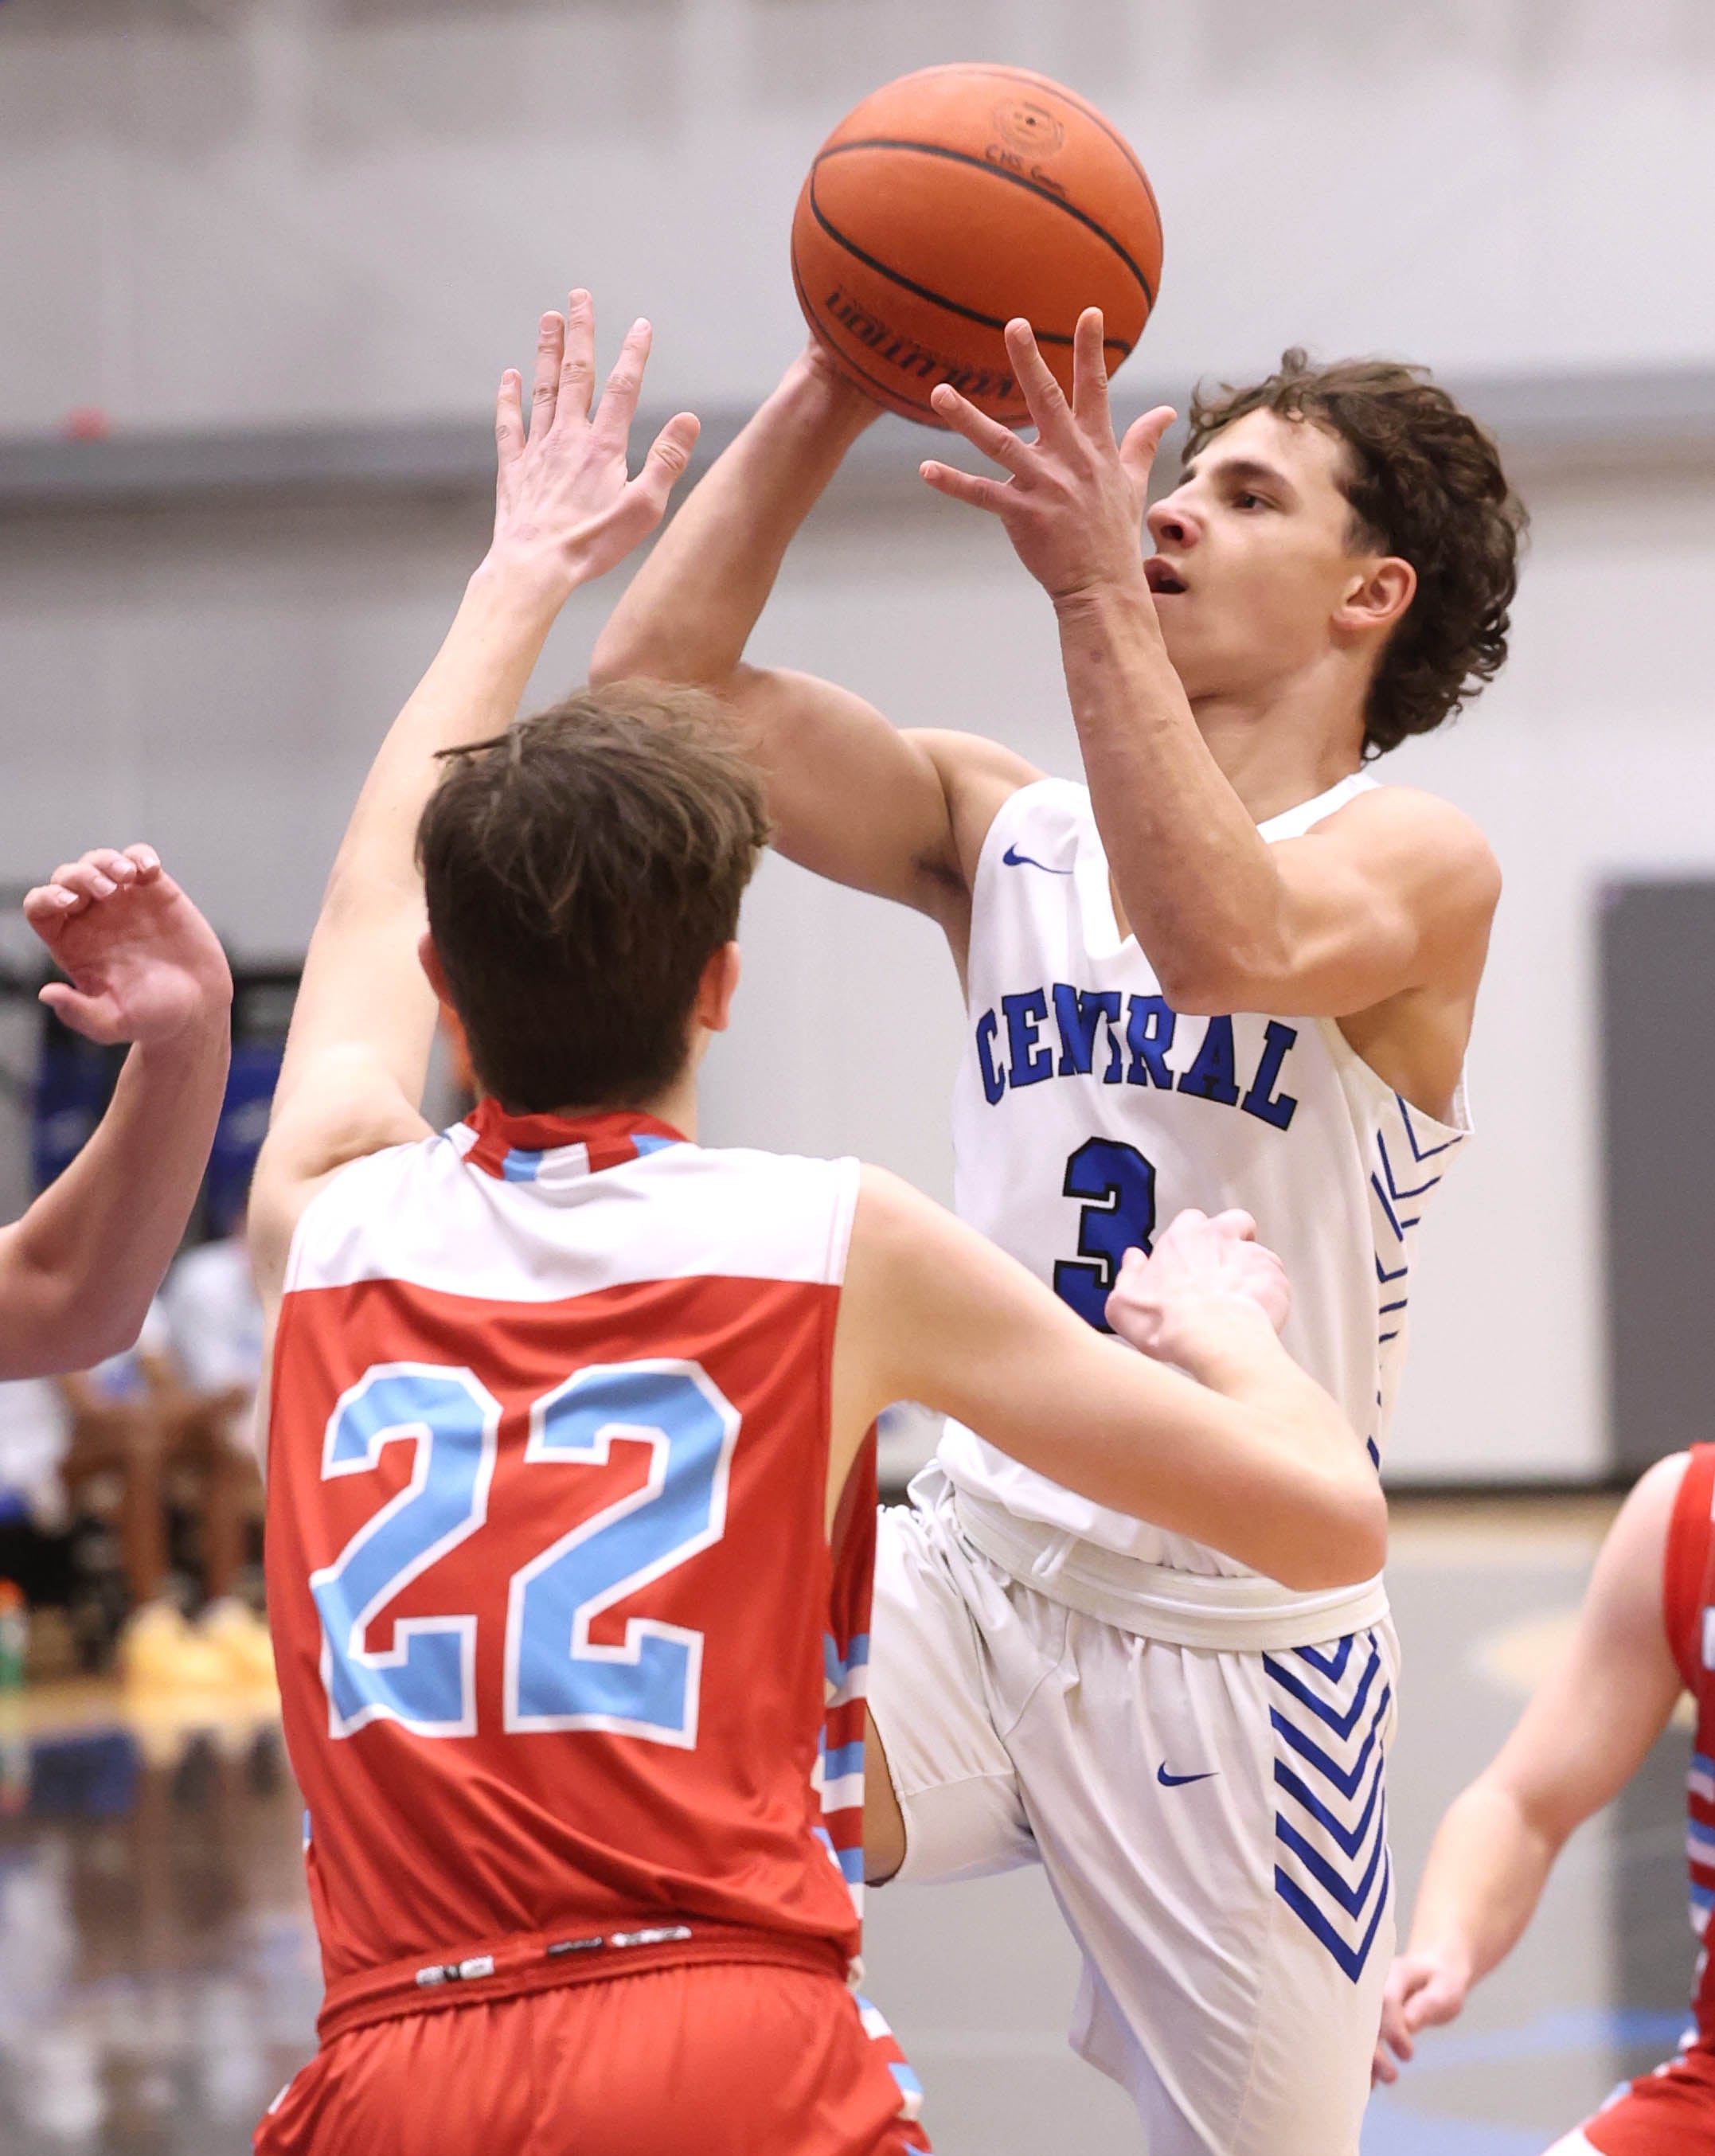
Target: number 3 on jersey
1119	1184
648	1684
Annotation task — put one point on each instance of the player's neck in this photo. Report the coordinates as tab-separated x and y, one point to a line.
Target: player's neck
676	1106
1281	749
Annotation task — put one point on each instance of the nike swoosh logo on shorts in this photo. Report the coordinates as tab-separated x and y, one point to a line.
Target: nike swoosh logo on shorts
1013	859
1178	1781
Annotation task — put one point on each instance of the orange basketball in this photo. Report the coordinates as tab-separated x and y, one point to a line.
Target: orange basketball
954	199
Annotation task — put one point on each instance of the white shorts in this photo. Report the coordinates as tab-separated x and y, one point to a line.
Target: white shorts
1213	1825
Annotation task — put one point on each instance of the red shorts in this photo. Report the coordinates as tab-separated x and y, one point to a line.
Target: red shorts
714	2059
1670	2112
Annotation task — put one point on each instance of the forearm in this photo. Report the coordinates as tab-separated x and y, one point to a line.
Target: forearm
1487	1871
82	1265
1194	875
373	904
691	607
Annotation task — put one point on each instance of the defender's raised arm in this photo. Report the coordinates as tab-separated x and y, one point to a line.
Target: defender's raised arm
565	512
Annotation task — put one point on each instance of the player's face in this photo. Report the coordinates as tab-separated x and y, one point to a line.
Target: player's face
1252	555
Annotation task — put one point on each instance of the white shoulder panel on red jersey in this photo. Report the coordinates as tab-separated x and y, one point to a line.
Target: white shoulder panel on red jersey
420	1214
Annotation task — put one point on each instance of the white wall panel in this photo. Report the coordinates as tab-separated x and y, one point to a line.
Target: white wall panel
221	210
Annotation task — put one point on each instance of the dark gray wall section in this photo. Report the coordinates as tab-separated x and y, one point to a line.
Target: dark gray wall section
1657	944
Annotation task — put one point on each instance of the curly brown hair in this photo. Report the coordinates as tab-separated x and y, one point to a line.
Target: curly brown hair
1425	482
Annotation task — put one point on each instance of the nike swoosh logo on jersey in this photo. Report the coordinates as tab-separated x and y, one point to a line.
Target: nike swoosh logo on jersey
1013	859
1178	1781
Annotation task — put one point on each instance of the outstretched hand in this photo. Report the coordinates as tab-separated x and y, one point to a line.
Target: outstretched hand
563	501
1073	506
144	964
1201	1276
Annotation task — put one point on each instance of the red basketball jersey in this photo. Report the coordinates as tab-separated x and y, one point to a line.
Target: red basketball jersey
1688	1606
566	1660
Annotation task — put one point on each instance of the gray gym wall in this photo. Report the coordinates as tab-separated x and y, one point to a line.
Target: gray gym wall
238	213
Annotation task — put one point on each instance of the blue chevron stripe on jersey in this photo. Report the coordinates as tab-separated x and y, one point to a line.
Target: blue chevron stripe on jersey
1350	1959
1351	1839
1334	1667
1343	1722
1330	1715
1306	1749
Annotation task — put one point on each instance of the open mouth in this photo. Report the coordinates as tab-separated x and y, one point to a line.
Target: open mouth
1161	578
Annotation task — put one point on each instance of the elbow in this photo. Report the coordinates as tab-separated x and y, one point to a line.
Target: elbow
1346	1542
68	1334
618	657
1202	977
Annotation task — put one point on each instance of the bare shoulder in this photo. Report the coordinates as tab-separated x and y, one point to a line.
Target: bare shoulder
346	1106
977	776
1426	836
1624	1603
1637	1541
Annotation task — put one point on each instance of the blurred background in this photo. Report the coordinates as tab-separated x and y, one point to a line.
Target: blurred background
261	261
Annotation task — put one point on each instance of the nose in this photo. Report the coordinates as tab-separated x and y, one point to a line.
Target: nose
1172	522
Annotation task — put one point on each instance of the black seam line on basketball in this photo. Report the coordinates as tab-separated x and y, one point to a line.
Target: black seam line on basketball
1000	172
892	390
1017	75
937	299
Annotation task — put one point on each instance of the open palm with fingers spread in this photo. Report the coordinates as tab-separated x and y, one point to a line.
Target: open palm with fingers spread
563	500
1073	504
144	964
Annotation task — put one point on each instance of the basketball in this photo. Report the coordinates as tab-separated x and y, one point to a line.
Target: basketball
952	200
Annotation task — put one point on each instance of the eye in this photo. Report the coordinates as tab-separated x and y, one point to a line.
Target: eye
1246	499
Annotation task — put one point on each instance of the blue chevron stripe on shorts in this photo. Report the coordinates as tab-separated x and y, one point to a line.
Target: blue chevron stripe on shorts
1330	1709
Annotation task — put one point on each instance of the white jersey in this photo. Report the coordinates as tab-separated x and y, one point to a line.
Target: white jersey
1088	1112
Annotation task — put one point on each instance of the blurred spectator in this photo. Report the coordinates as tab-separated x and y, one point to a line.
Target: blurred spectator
134	1417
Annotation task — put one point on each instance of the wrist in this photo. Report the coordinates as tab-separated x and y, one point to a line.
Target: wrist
201	1041
1221	1340
815	385
522	580
1121	589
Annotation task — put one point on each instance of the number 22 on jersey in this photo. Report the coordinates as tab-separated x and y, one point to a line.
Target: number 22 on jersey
556	1677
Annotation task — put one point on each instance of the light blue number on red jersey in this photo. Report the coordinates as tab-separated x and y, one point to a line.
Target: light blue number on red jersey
426	1679
649	1683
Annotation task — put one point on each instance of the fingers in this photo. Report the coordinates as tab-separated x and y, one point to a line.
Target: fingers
148	862
86	878
545	390
94	1017
618	405
669	455
509	419
1236	1225
1090	370
1142	443
1043	395
995	441
49	904
578	365
989	493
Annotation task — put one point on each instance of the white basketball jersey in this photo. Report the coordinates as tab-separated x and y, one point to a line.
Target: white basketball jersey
1088	1112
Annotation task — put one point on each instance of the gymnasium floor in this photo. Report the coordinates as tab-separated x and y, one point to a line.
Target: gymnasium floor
158	1981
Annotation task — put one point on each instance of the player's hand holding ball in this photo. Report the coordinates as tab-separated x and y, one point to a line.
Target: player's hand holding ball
1207	1285
144	965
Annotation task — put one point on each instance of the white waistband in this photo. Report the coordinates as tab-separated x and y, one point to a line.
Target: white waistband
1246	1615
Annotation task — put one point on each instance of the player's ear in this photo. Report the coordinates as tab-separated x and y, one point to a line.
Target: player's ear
715	991
430	959
1378	595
